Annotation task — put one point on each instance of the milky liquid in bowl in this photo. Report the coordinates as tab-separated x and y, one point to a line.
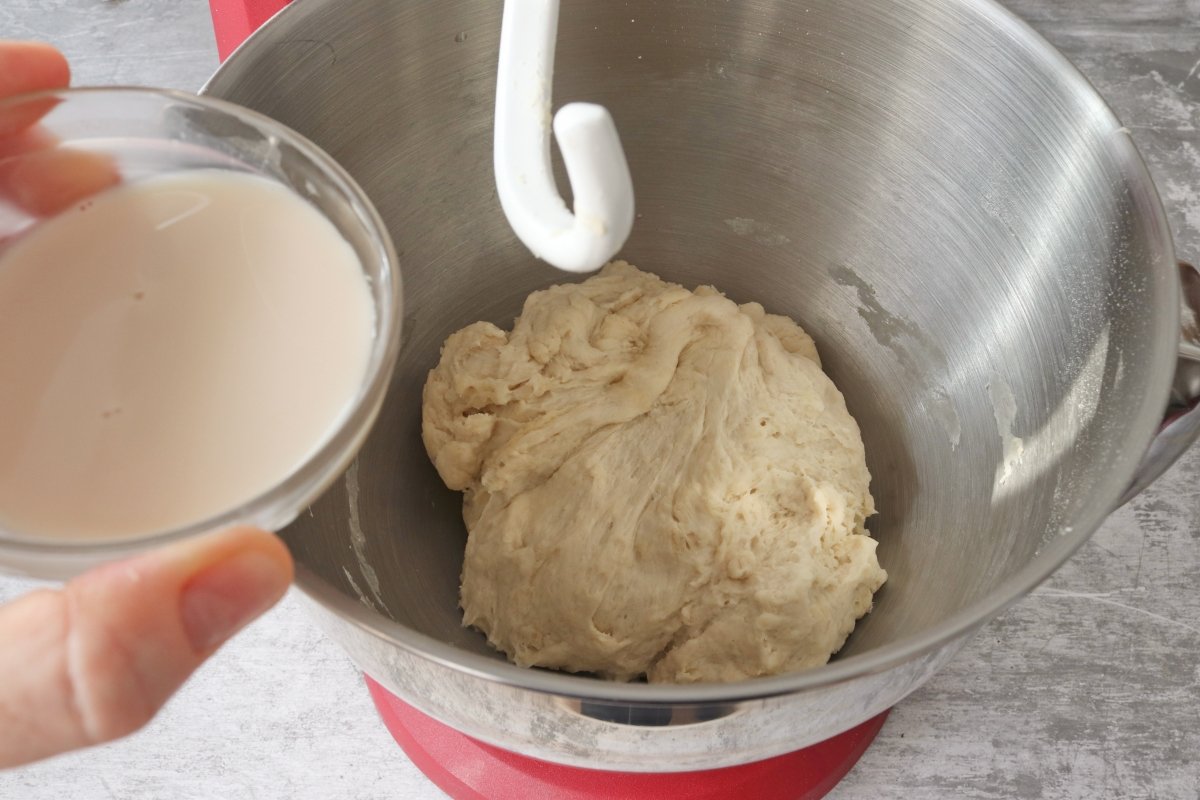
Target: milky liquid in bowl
169	350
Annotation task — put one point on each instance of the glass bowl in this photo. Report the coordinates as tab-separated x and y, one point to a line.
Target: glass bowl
152	132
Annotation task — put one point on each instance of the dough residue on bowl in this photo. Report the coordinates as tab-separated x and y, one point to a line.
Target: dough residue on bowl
656	482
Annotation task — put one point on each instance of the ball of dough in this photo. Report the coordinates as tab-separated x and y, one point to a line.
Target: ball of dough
657	482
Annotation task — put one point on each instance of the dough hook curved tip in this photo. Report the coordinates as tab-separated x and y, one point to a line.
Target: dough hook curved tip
578	240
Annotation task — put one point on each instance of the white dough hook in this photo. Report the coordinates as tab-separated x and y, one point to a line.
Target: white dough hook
587	137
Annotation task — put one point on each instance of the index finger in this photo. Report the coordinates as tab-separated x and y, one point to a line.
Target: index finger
29	67
38	176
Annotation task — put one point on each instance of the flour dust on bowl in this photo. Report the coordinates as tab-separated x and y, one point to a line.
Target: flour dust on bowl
973	242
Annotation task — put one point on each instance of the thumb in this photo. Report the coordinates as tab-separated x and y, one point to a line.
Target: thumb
95	660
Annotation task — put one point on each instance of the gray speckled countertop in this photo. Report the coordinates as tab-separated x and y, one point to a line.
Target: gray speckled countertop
1090	688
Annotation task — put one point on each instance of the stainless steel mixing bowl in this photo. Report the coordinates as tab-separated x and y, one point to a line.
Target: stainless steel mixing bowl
929	187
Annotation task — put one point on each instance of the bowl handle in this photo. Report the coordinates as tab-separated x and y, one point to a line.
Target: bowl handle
1181	420
234	20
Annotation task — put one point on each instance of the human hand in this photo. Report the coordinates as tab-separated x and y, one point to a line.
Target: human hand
95	660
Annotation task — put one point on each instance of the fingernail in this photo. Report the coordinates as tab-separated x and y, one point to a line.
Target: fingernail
224	598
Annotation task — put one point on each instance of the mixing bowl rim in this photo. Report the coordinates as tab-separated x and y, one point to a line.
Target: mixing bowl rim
1137	436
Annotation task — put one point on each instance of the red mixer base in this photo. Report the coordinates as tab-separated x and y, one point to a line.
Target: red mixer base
467	769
